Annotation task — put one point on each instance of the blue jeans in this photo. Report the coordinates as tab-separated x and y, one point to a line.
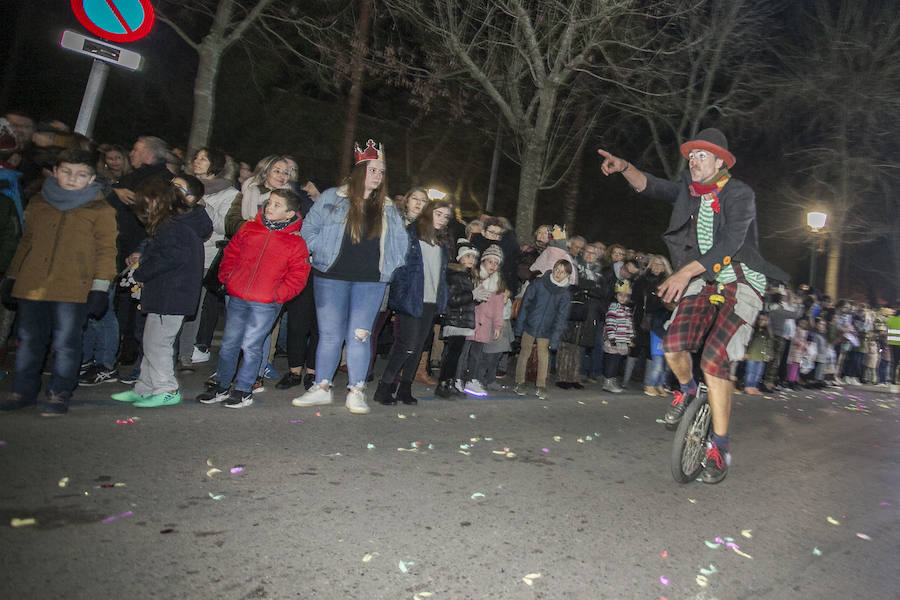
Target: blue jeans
753	373
656	374
101	337
592	363
247	325
345	311
39	324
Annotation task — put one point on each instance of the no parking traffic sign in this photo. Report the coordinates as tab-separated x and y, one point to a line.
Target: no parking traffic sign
115	20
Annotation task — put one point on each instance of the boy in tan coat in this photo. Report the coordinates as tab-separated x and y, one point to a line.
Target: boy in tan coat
59	275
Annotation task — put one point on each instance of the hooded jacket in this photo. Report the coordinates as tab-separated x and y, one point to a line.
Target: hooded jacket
544	310
460	302
264	265
171	267
407	291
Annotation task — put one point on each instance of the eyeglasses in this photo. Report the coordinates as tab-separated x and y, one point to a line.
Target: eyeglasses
497	232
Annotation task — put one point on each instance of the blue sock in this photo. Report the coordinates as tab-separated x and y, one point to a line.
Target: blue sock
720	442
690	387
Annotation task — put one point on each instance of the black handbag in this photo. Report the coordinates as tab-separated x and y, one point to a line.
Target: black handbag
211	279
578	308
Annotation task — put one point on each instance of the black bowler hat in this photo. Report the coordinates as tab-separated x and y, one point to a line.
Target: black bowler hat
713	140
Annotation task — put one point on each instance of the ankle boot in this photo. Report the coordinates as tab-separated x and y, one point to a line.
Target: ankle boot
404	393
422	375
383	394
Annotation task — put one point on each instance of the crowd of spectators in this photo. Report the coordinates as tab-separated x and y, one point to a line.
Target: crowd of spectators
466	301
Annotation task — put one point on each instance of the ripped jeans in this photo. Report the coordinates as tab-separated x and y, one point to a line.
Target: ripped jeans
345	311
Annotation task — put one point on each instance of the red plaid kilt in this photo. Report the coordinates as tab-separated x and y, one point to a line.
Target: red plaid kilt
721	331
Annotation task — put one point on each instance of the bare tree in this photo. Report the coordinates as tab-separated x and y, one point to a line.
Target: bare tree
523	55
840	89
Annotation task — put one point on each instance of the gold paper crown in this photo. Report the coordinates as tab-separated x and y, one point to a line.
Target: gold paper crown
623	287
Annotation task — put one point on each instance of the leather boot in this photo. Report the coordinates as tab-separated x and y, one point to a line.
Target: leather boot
422	375
444	389
383	394
404	393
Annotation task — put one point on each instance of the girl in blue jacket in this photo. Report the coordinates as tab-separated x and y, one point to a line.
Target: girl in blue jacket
418	292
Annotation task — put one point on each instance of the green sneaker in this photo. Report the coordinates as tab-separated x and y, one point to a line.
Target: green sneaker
127	396
165	399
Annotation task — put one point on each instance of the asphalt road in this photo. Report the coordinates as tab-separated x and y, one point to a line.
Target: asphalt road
448	500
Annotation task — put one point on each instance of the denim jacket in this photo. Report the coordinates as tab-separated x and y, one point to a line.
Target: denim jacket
325	224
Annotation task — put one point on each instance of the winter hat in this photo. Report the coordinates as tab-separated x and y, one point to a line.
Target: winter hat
713	140
492	250
464	247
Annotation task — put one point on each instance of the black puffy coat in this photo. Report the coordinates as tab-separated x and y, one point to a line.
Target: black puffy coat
460	302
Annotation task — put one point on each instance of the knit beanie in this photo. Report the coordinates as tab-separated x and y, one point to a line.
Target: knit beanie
493	250
464	247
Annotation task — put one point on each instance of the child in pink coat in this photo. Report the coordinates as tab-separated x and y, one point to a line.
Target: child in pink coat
490	299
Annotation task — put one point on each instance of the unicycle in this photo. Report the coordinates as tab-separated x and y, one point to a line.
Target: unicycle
691	436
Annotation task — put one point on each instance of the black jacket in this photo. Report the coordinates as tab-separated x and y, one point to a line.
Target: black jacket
171	267
460	302
131	230
735	236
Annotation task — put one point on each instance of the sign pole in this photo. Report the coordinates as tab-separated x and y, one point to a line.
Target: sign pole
90	102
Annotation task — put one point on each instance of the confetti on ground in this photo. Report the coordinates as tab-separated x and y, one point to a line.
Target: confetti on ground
236	470
692	501
464	452
660	421
545	450
833	521
370	446
422	595
702	581
882	504
746	533
529	579
404	565
712	545
216	496
213	471
510	455
744	554
627	417
109	485
401	416
580	440
477	495
489	439
664	554
114	517
710	571
431	446
472	416
732	545
407	449
209	462
318	414
369	556
663	580
124	421
63	482
22	522
556	438
817	552
334	454
499	451
296	420
863	536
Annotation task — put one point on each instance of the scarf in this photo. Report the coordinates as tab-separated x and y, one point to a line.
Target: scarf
61	199
489	283
711	187
277	225
215	185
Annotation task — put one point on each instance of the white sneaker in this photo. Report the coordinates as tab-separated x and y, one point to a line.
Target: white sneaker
458	384
612	386
474	388
316	396
198	356
356	401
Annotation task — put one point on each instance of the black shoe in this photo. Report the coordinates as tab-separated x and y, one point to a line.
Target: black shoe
15	401
576	386
309	380
289	380
97	374
715	466
563	384
53	405
239	399
444	389
404	393
383	394
678	406
214	393
764	388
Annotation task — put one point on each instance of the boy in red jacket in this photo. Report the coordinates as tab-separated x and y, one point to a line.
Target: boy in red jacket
265	264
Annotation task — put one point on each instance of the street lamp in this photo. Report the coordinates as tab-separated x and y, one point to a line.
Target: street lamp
435	194
816	222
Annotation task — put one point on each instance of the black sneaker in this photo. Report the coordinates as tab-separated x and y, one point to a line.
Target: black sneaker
214	393
289	380
97	374
309	380
716	465
239	399
679	404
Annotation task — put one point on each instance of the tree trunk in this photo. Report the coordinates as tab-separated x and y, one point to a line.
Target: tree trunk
357	71
532	173
833	264
204	94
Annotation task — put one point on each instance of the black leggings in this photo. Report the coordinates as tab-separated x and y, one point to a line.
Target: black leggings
302	329
453	346
407	349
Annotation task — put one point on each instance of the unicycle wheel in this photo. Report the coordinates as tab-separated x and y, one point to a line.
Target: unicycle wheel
689	447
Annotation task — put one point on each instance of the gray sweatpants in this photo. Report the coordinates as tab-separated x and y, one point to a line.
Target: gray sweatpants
158	364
